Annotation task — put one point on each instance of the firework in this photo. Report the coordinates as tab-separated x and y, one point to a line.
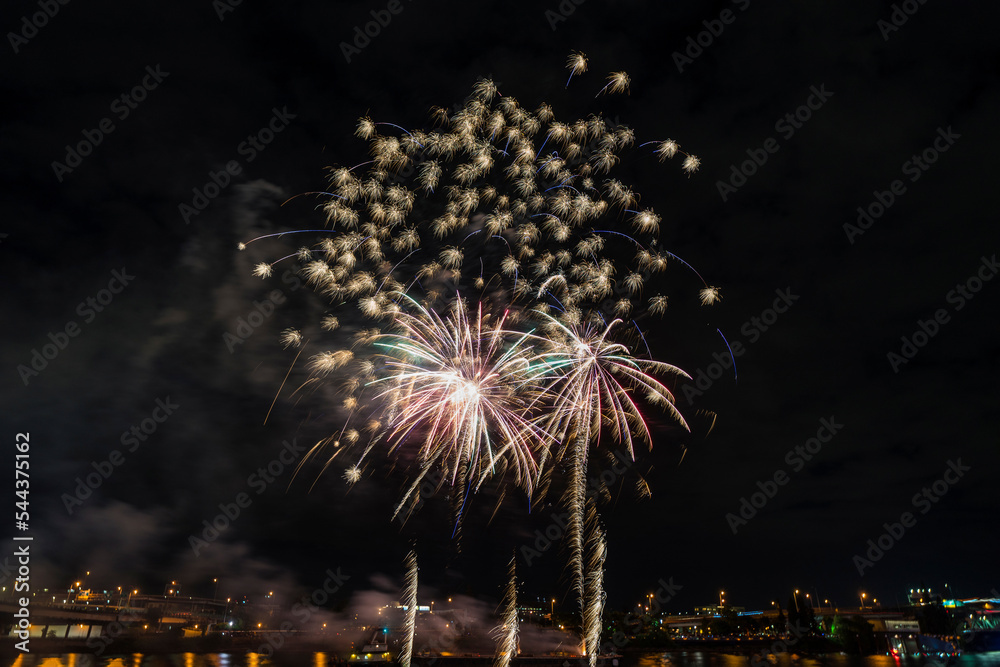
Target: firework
591	380
577	64
506	633
456	391
409	603
504	202
594	586
519	212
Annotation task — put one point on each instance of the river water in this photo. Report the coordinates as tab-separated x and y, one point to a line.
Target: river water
319	659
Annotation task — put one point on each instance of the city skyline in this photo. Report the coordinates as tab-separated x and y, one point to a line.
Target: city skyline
83	591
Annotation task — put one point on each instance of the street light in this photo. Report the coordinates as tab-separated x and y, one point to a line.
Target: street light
215	593
552	613
862	602
722	598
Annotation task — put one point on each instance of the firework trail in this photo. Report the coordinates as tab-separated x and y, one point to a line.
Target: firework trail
574	498
506	633
594	593
591	380
409	602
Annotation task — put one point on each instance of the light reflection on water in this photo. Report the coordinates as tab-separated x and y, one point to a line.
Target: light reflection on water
699	659
320	659
317	659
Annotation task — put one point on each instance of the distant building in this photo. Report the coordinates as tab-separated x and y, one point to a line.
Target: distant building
921	596
718	610
89	596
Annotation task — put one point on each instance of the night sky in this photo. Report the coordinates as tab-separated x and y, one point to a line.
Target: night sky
800	114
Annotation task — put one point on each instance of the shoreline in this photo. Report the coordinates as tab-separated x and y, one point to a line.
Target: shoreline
269	645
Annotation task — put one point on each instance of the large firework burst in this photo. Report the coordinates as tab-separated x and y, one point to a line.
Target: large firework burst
520	213
506	202
457	391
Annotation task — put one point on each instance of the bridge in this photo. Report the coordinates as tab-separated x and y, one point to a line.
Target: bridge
79	621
